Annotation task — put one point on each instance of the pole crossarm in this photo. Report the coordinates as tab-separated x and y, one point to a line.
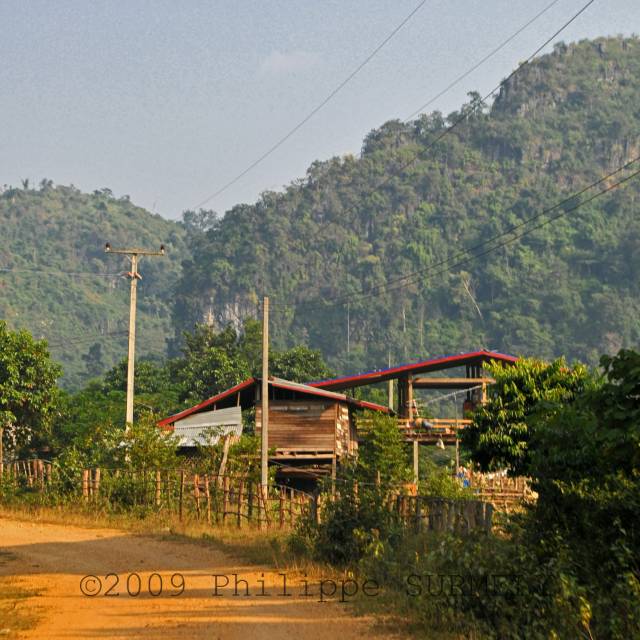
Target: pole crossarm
134	251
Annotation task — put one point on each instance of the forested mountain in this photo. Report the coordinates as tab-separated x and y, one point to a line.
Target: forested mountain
352	224
406	203
53	240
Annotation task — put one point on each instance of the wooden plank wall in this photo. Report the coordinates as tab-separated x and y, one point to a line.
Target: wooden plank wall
300	425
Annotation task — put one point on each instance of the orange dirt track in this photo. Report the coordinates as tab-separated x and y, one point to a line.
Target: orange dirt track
51	559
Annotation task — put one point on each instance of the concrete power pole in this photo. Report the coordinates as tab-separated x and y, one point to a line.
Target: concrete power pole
264	397
134	276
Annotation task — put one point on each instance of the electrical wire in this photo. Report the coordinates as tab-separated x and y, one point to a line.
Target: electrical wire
480	62
57	344
465	115
409	278
315	110
85	274
471	108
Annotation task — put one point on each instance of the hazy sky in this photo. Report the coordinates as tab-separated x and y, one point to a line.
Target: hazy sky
167	101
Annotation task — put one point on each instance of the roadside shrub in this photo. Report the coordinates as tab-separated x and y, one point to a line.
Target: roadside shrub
358	516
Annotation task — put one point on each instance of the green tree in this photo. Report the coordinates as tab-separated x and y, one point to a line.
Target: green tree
382	451
299	364
499	436
585	460
29	396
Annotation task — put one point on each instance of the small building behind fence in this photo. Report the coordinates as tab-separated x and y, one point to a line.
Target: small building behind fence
310	430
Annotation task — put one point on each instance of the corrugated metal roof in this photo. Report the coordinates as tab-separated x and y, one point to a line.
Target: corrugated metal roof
434	364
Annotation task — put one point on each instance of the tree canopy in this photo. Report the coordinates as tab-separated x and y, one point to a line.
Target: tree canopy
29	396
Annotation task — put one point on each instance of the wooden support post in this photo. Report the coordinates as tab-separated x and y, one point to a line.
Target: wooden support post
85	484
402	397
181	497
291	507
410	397
416	462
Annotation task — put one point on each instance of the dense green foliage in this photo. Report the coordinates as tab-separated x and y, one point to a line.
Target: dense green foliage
50	230
499	435
570	288
586	465
568	566
29	396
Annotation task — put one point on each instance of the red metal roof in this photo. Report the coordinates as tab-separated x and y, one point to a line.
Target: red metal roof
435	364
278	383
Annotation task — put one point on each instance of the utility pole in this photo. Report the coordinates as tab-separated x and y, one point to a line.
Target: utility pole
264	397
134	276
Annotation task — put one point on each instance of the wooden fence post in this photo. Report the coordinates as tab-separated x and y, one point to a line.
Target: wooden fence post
207	495
85	484
158	487
250	495
240	499
181	494
418	514
281	507
225	498
196	493
96	483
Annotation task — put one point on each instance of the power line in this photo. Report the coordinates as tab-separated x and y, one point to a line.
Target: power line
514	227
410	277
563	213
315	110
85	274
473	107
463	117
480	62
57	344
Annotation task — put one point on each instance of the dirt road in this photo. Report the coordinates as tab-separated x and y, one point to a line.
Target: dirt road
52	559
